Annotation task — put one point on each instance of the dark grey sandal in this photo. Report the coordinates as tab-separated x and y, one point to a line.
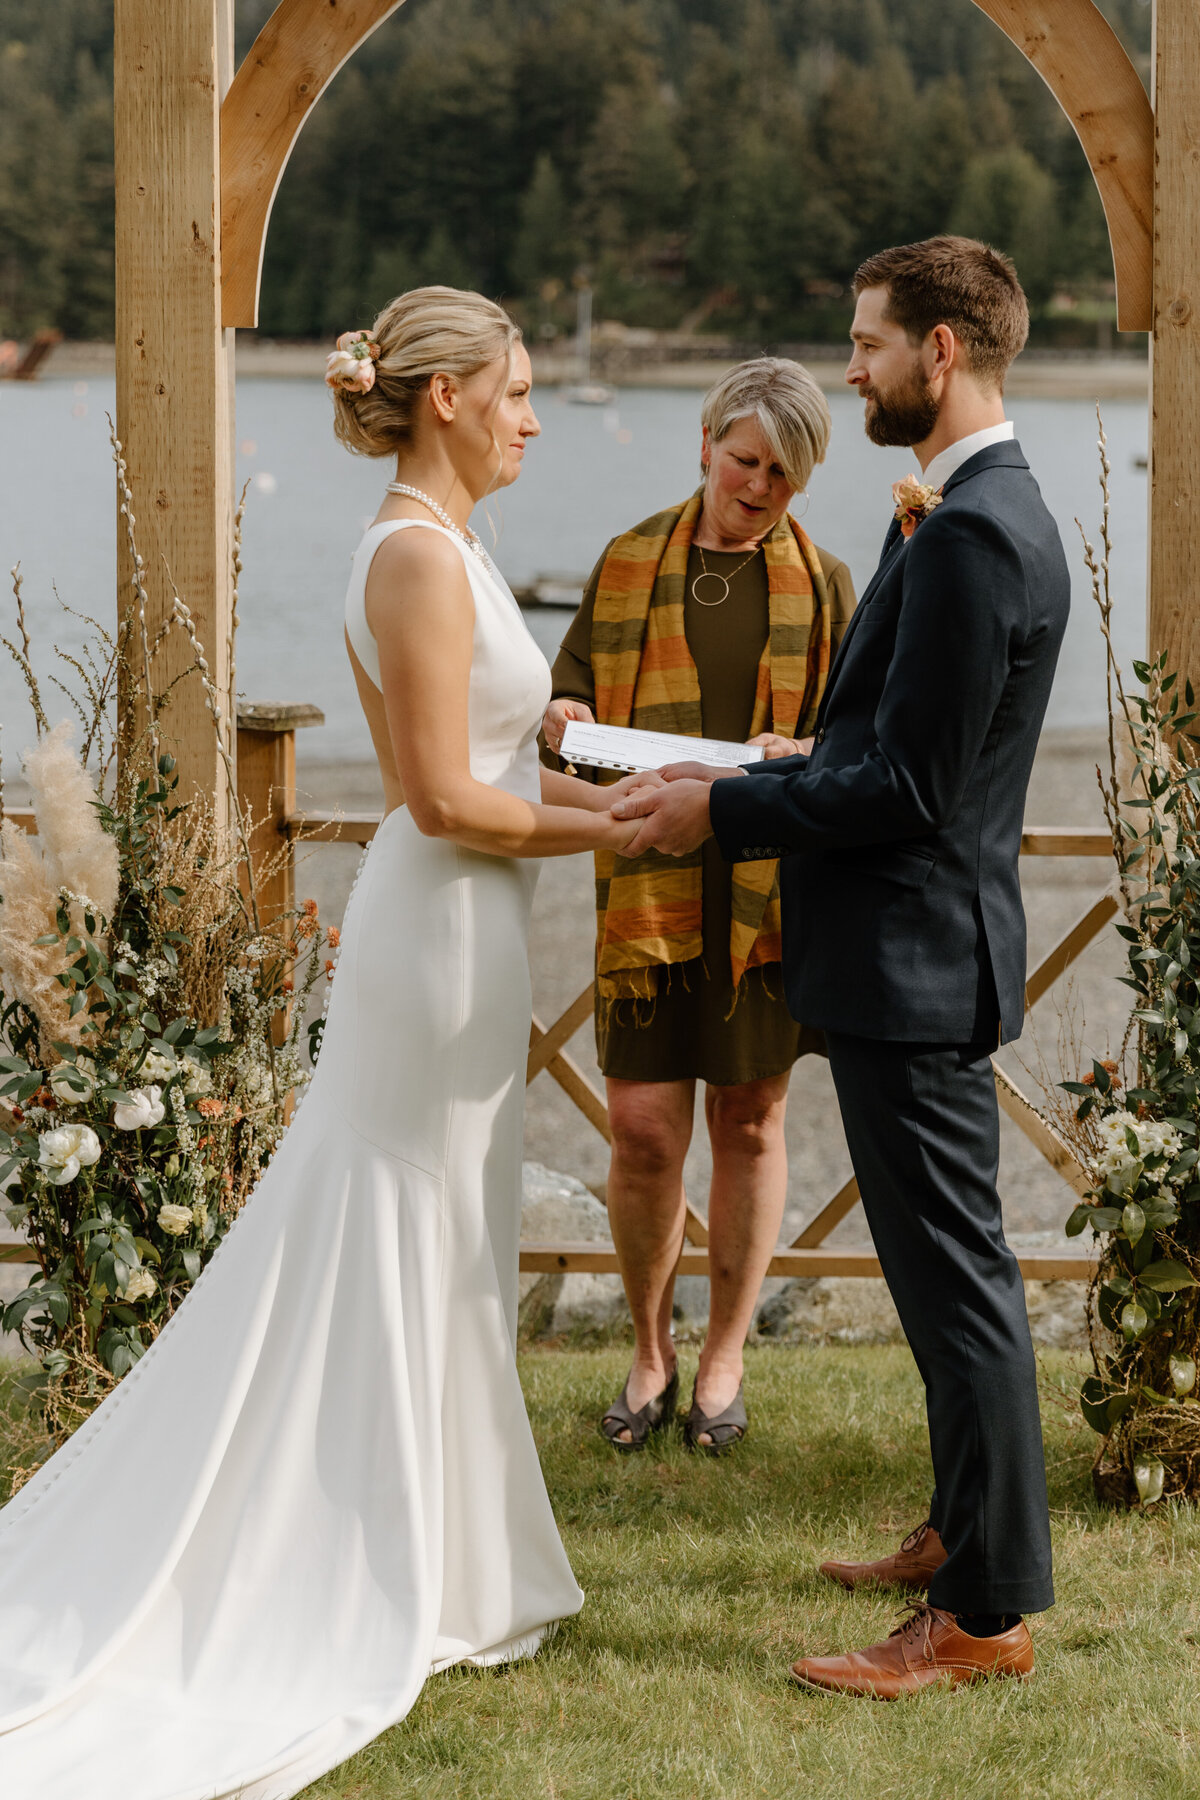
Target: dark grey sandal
725	1429
652	1417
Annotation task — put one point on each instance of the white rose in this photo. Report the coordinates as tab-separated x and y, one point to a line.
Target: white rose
175	1220
74	1082
144	1107
140	1286
65	1150
157	1067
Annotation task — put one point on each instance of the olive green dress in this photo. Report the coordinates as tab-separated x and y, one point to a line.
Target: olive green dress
692	1030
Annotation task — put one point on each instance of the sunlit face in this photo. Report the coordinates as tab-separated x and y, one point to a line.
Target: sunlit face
890	374
746	492
495	417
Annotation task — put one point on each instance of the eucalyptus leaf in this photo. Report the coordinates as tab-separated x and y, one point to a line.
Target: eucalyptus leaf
1168	1277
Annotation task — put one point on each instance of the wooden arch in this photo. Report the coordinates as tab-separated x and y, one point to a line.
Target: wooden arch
288	67
305	42
1082	61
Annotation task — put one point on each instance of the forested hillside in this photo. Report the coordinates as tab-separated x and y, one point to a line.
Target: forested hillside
720	164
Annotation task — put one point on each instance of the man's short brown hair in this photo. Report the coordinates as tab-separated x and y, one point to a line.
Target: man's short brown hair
958	282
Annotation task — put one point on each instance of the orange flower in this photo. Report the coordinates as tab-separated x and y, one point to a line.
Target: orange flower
1089	1079
913	500
310	909
237	1115
329	967
333	937
210	1108
288	986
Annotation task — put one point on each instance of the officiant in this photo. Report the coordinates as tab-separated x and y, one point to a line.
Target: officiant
717	617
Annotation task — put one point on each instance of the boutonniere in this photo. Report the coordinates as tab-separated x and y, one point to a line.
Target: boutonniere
914	501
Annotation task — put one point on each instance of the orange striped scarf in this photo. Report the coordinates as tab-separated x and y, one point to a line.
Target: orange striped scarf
649	908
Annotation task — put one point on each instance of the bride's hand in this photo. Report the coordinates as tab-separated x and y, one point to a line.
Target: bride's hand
629	784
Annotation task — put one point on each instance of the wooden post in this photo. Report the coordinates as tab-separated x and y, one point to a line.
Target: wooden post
266	746
174	360
1174	615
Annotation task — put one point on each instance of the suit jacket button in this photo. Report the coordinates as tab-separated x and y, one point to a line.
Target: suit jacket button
821	735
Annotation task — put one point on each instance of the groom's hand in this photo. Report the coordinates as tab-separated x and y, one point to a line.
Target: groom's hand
675	816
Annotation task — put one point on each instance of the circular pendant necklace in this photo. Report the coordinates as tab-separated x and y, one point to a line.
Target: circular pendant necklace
707	574
441	515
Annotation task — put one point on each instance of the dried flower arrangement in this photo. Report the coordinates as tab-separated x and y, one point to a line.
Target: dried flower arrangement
1135	1124
150	1021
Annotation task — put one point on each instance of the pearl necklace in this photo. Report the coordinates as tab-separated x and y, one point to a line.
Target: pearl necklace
441	515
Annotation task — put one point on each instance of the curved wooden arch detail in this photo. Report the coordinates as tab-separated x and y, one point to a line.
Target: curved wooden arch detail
288	67
1083	62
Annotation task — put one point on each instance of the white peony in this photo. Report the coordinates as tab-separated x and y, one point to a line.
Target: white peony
74	1082
157	1067
65	1150
144	1107
140	1286
175	1220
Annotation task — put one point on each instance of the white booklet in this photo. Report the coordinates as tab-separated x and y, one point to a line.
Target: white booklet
618	747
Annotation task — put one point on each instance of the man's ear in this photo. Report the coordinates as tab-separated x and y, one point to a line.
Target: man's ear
945	350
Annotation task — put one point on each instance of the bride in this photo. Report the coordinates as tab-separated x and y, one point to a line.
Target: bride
320	1483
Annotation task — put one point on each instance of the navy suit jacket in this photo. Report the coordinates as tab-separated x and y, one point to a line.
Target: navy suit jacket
900	834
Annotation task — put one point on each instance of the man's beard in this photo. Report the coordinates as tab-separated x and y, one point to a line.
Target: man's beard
906	415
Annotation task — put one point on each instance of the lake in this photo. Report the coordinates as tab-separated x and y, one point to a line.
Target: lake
594	472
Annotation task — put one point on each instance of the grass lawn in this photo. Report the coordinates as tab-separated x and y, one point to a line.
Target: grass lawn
701	1587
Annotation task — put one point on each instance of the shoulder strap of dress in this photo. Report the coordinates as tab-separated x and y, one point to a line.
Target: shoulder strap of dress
357	629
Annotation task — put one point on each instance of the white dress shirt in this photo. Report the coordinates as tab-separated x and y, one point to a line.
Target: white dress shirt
943	465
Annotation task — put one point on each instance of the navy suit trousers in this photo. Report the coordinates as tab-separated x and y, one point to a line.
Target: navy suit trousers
924	1134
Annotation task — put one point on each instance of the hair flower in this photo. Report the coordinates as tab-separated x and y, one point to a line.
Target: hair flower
914	500
351	367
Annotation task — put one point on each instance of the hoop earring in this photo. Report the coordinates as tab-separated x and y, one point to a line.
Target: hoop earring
807	499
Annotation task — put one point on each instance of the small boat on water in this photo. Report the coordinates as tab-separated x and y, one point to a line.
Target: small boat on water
585	391
562	592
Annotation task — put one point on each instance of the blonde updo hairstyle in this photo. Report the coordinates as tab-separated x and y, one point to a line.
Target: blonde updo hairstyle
786	403
429	331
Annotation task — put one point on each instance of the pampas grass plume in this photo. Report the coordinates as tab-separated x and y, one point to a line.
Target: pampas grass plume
80	855
72	851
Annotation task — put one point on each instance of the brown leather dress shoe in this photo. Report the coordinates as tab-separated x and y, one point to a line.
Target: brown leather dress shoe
928	1649
910	1568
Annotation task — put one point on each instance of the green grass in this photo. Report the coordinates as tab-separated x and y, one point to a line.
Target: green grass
701	1587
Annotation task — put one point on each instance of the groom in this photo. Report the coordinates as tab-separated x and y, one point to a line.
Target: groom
903	822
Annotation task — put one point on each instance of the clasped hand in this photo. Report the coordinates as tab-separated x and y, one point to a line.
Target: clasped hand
672	805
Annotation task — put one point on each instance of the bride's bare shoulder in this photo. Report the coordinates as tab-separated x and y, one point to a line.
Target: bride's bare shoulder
412	567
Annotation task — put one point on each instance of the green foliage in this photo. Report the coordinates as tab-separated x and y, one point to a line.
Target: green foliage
1140	1139
731	163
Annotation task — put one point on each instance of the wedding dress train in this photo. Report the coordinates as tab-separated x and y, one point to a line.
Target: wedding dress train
320	1483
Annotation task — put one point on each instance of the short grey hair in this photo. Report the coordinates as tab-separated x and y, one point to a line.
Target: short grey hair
787	404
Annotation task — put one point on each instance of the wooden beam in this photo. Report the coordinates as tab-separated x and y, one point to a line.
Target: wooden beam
601	1259
1088	926
1084	64
333	827
544	1045
173	360
289	65
830	1216
1174	618
1040	1133
1065	840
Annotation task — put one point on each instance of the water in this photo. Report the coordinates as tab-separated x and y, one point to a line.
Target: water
594	472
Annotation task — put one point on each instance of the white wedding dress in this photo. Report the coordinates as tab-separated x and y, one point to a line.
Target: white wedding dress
320	1483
